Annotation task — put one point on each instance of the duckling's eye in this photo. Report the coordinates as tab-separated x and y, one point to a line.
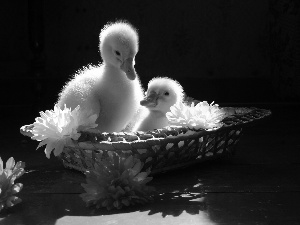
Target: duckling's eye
117	53
167	93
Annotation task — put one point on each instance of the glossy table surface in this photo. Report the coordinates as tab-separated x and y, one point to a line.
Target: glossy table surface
259	184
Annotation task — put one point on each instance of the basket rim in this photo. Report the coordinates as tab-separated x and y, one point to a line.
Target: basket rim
236	117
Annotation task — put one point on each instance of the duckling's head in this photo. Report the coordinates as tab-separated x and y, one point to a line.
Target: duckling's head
162	93
118	46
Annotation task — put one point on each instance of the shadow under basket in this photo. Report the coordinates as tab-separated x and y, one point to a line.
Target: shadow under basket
161	150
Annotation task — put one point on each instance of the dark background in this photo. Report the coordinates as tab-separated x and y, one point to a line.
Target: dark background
232	52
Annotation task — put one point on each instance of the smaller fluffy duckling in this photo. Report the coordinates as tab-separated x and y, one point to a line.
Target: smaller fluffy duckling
162	93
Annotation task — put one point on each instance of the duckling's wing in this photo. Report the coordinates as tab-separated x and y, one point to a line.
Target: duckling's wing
81	91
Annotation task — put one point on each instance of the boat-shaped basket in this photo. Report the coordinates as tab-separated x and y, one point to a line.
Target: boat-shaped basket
161	150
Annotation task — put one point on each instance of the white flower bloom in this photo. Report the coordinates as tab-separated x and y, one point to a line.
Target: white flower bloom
200	116
57	127
8	188
116	182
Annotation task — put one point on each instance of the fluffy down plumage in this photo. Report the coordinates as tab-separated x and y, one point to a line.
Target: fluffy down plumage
112	89
162	93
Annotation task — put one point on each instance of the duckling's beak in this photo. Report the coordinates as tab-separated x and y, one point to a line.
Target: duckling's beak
150	100
128	68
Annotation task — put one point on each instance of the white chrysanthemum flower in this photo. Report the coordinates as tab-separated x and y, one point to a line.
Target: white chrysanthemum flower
200	116
8	188
55	128
116	182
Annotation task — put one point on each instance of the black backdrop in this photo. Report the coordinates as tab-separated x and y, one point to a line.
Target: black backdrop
227	51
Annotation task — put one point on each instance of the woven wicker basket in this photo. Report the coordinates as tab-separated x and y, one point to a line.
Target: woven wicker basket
162	149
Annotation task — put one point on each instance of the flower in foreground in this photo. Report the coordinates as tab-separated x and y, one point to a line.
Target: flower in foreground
7	186
116	182
199	116
55	128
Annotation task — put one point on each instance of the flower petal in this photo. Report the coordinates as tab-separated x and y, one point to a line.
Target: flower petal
136	168
16	188
141	176
19	165
16	173
10	163
128	162
125	202
13	200
42	143
59	147
49	147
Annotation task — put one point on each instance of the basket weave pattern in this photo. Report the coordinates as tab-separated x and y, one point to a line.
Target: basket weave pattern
162	149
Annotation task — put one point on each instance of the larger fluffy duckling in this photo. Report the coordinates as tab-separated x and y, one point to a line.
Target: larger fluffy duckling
162	93
112	89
